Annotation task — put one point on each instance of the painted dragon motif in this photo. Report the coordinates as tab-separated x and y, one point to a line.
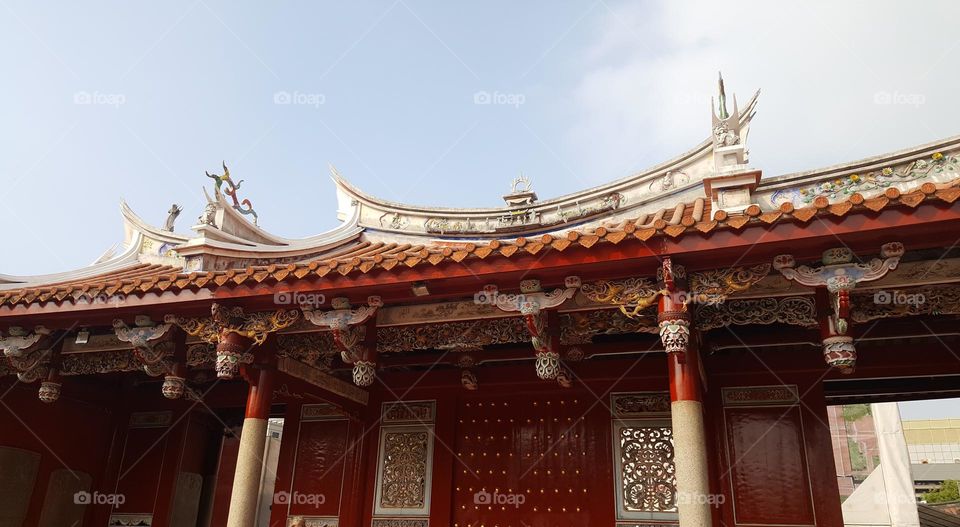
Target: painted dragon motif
226	184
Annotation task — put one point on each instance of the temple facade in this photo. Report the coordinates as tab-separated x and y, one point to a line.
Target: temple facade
658	350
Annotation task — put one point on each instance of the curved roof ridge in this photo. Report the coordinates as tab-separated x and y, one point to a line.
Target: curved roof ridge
637	177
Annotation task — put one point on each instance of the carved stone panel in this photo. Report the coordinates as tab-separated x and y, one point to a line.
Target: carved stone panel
16	483
59	505
186	500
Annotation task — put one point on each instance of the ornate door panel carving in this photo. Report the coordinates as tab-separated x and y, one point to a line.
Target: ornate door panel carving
535	460
319	470
405	464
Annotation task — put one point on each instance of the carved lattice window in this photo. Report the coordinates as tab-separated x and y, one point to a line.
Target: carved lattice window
643	456
647	479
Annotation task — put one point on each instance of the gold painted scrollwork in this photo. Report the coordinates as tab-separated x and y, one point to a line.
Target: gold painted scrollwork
631	295
255	326
712	287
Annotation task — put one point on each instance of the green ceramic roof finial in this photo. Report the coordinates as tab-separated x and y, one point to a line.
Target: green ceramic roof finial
723	99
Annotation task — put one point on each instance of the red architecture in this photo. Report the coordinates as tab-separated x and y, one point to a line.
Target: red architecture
657	350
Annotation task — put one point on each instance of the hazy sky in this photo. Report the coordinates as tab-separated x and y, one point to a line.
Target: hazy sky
110	100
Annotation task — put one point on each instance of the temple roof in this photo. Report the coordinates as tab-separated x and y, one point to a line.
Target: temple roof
710	188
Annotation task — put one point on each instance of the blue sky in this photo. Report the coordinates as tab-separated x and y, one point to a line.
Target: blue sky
110	100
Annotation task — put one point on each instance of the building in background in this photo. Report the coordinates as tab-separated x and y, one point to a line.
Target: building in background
933	440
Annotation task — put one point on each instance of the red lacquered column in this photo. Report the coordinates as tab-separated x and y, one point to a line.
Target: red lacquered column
686	412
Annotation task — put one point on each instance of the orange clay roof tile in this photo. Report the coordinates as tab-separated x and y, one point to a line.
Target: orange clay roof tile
367	256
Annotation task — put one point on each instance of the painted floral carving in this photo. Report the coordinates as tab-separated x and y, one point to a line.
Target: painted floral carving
877	180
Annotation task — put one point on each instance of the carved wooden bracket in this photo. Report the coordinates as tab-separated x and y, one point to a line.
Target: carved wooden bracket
149	345
24	353
532	303
839	275
18	342
234	332
351	330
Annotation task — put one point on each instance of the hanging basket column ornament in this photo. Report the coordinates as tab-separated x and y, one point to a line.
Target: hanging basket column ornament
347	326
50	388
839	274
234	332
174	383
532	303
673	318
